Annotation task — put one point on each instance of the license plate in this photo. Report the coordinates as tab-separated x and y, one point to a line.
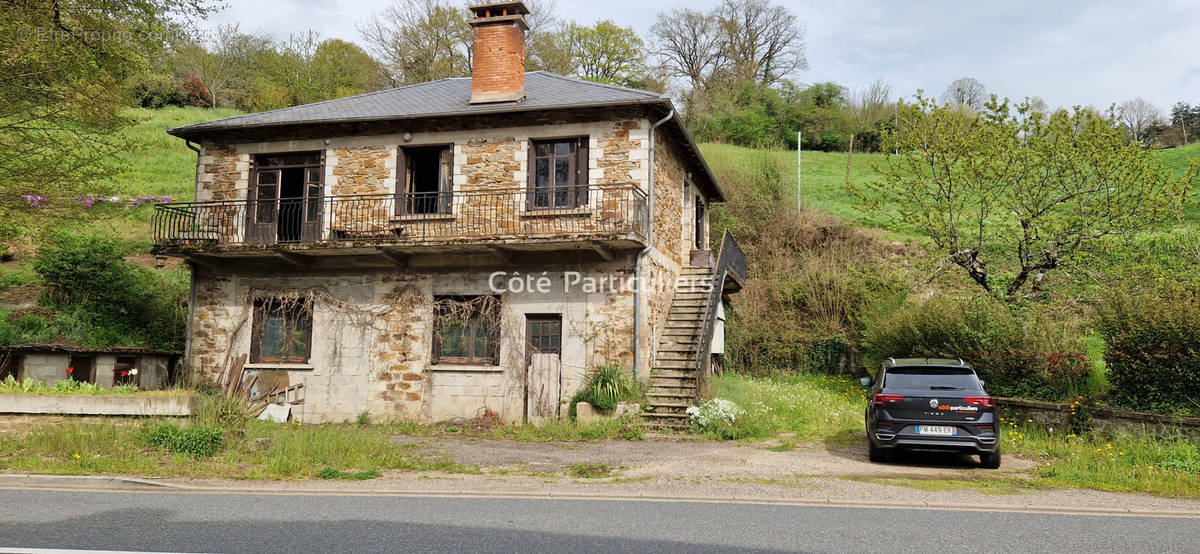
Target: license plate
937	430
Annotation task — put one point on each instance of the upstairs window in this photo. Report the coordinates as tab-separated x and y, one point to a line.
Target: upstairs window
282	331
426	180
466	330
558	174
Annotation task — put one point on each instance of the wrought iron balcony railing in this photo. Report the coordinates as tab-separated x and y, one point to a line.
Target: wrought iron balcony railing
596	212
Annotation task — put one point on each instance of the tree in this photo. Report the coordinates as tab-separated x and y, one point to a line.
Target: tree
687	45
762	43
420	41
226	66
1187	118
966	91
62	85
1136	116
607	52
1018	189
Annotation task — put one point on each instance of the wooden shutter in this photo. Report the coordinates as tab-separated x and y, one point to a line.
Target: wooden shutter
581	172
435	355
401	182
531	175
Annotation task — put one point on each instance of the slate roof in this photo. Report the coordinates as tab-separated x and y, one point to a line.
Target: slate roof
444	97
451	98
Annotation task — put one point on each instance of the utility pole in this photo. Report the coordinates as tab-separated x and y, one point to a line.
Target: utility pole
799	166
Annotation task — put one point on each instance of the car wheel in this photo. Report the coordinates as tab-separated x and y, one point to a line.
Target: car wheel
876	454
990	460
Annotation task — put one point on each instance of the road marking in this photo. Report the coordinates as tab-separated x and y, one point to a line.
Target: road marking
70	551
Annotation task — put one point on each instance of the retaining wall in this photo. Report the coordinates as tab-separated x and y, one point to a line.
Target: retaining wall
1104	420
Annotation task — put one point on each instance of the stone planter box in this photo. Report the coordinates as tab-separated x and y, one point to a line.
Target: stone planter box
96	405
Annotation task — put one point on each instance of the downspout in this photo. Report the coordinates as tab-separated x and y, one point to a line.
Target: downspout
186	370
637	292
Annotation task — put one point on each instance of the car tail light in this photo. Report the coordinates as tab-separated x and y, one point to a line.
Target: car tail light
881	399
985	427
981	401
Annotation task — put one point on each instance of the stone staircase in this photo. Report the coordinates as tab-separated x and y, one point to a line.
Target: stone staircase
673	376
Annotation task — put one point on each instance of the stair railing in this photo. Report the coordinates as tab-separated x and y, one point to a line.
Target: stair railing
731	262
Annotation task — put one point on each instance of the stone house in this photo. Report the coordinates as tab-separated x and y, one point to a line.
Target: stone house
457	247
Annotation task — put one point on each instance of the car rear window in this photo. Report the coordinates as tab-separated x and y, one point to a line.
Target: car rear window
930	378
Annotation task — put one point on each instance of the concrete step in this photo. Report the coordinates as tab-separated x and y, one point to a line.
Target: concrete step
678	389
674	364
689	373
681	354
687	309
673	346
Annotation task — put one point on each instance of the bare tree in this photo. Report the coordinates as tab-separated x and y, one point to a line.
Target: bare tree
872	105
226	64
763	43
966	91
1136	116
420	40
687	45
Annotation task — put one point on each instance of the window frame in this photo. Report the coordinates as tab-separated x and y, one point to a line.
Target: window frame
445	207
532	321
474	322
260	308
580	180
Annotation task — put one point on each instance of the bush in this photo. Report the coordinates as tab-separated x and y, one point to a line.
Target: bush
88	280
605	387
194	441
1022	355
719	418
1152	350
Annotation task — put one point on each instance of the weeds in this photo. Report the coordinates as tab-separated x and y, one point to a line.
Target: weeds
589	470
194	441
334	473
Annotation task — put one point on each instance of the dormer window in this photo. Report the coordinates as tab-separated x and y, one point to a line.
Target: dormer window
558	173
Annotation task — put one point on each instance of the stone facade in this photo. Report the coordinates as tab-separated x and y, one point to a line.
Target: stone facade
381	361
373	335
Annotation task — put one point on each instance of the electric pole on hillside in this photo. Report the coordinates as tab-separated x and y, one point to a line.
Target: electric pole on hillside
799	166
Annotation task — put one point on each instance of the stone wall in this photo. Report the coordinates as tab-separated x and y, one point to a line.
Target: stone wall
372	340
1105	421
224	174
360	170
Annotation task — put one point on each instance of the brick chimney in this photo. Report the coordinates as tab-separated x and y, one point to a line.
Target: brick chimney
498	61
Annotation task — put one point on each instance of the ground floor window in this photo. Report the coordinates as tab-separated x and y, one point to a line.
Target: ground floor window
466	330
282	331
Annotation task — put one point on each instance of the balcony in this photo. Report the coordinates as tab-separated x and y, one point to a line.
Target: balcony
496	224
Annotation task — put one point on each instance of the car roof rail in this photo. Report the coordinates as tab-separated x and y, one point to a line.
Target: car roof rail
960	362
893	360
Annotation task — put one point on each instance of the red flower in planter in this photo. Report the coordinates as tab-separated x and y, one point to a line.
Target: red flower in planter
124	373
70	370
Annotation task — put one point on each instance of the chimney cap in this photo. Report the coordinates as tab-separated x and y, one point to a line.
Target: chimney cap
499	9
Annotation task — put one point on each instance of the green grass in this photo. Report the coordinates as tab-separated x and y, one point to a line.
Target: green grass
71	387
160	164
809	407
1120	463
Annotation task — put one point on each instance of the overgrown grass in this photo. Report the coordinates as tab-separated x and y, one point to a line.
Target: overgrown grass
1120	463
809	407
258	450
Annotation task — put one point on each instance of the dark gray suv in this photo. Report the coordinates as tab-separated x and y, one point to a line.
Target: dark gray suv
930	404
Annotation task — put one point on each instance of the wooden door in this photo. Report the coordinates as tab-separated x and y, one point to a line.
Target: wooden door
262	217
310	229
543	375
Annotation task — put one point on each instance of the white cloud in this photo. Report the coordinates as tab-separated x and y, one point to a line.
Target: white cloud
1068	52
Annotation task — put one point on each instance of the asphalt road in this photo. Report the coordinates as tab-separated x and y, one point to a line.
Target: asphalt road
192	522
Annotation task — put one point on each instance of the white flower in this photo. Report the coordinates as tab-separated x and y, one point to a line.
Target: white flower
133	371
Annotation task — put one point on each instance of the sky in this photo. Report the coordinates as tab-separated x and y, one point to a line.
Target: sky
1068	52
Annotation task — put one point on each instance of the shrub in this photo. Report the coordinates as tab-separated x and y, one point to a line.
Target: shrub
1152	353
719	418
194	441
87	278
605	387
1018	354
